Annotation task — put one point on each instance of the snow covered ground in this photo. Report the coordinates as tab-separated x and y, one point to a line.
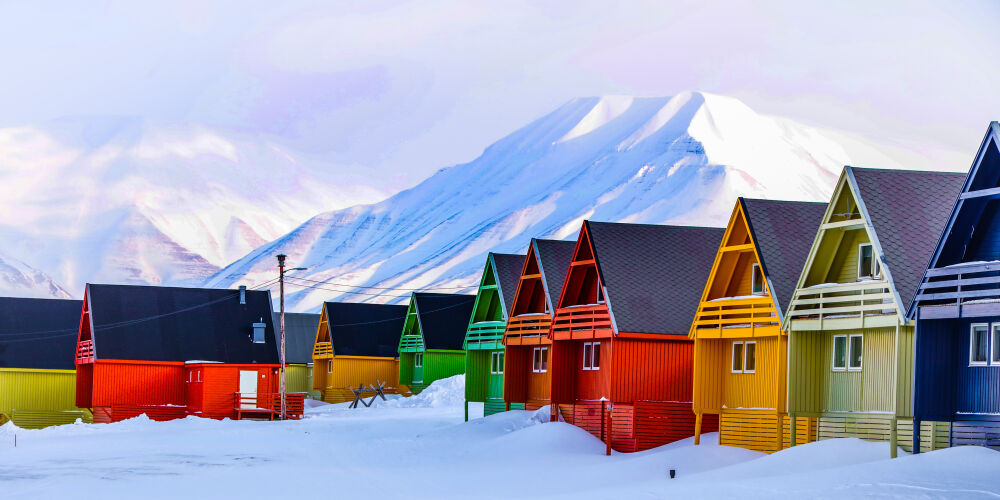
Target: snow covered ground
420	448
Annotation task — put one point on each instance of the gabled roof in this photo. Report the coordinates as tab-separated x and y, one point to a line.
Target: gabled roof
906	210
507	268
39	333
443	318
365	329
553	258
300	334
153	323
653	274
783	232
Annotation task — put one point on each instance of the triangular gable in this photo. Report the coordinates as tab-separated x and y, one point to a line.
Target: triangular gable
583	285
362	329
412	338
530	297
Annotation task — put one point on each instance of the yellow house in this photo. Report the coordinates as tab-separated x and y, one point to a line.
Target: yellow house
356	344
741	354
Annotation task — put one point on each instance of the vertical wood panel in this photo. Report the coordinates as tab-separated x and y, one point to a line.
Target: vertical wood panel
654	370
134	384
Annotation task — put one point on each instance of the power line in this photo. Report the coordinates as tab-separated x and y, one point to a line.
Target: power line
432	311
343	291
387	287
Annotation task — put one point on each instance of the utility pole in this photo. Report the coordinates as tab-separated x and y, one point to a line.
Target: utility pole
281	293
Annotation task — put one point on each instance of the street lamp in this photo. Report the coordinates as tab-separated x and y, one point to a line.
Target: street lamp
281	293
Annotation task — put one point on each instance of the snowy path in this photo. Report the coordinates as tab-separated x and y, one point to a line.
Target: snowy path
397	452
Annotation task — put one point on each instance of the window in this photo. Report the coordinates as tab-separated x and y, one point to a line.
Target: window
744	357
591	355
258	332
978	344
840	352
868	267
600	294
737	357
855	352
418	360
329	366
540	360
757	281
995	358
496	363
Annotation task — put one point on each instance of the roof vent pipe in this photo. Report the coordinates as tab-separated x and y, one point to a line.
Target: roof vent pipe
243	294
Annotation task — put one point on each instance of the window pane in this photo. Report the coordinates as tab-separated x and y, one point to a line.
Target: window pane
500	357
856	348
597	356
864	260
840	352
996	344
586	356
534	360
757	285
750	352
737	356
545	359
979	344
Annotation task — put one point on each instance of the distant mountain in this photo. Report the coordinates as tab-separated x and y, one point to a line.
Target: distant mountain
680	159
28	281
126	200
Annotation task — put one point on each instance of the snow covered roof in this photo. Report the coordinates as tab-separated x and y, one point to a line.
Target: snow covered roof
443	318
156	323
38	333
654	274
508	271
300	334
783	232
365	329
553	258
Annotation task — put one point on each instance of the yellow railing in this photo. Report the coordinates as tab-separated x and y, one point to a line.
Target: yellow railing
322	349
736	314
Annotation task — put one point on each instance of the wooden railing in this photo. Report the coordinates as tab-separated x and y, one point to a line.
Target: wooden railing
957	287
485	332
84	352
587	318
323	349
411	343
269	404
527	326
843	305
736	314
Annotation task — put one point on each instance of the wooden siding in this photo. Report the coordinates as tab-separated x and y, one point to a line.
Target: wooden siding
477	375
946	384
354	371
298	378
653	370
634	427
39	398
763	430
134	383
871	427
212	392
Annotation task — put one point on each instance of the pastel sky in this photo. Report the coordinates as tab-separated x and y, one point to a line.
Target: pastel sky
401	88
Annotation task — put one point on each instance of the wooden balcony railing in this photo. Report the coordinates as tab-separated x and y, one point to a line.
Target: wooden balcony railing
323	350
570	321
958	289
742	317
843	305
411	343
84	352
528	328
485	334
268	404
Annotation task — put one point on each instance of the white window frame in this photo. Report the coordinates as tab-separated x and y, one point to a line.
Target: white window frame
875	270
994	345
539	360
732	357
850	338
418	360
745	351
600	294
972	343
329	366
754	270
496	362
833	354
588	363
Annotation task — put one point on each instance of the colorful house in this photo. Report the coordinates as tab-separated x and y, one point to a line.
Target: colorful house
356	346
621	358
484	358
957	312
430	347
300	332
740	352
526	338
169	352
850	345
37	376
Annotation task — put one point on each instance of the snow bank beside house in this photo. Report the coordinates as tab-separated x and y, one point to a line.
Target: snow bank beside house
444	393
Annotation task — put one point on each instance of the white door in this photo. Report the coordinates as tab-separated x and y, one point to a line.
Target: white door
248	389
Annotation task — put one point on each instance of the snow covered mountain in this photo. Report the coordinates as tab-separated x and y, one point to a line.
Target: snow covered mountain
680	159
28	281
125	200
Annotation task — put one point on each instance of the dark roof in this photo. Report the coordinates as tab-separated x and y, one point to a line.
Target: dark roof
784	232
508	271
907	210
152	323
365	329
654	274
300	334
553	258
443	318
39	333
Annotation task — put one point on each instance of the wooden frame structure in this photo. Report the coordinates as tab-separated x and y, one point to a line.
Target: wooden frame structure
430	347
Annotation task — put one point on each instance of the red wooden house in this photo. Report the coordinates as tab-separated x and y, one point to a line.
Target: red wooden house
170	352
622	362
526	338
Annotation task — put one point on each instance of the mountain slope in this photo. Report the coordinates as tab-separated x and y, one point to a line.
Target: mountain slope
125	200
28	281
681	159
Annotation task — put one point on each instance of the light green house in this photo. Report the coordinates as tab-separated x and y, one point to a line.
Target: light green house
430	347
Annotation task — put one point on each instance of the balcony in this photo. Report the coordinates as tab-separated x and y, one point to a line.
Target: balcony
411	343
323	350
485	335
85	352
737	318
528	329
581	322
838	306
959	291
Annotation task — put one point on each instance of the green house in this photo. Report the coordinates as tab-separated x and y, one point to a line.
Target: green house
430	347
850	347
484	359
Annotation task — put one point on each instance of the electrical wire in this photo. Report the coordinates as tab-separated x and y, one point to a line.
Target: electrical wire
385	287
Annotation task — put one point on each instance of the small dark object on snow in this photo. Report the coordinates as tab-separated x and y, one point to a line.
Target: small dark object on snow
673	472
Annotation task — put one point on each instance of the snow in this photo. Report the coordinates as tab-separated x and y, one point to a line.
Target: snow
422	449
739	297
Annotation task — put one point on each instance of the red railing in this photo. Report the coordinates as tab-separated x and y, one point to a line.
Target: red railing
269	404
587	318
84	352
